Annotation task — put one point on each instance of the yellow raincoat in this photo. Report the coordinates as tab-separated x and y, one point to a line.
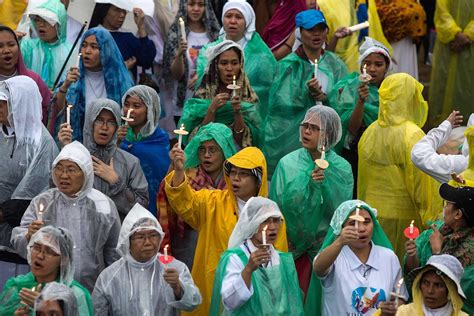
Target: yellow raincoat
339	13
387	178
11	12
468	174
213	213
451	75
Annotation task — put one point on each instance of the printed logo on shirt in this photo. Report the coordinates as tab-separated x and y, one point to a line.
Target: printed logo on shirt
367	299
193	53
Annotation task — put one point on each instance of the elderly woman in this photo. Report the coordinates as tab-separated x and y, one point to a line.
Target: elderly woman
245	175
117	173
88	214
50	256
238	19
206	153
357	267
215	102
357	102
46	54
11	64
101	74
56	299
143	281
307	194
143	138
387	178
252	277
27	151
295	88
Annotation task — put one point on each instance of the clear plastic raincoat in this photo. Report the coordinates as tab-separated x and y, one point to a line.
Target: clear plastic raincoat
213	213
451	75
59	292
46	59
91	217
129	287
60	241
132	186
387	178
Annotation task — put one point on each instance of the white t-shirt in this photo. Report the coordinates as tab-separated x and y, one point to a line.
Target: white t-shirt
195	42
95	85
352	288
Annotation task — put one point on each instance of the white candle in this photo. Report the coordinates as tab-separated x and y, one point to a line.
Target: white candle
364	70
68	114
234	84
399	286
129	112
166	253
264	235
40	212
411	227
323	153
180	136
357	221
359	26
316	68
78	60
182	29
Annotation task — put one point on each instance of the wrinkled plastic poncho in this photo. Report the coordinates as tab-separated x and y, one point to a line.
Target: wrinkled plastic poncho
313	299
218	132
25	156
58	292
46	59
205	210
90	216
259	64
116	77
129	287
60	241
132	186
451	75
388	180
289	100
151	145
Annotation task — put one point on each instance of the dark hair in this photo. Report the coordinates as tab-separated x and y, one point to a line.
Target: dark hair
4	28
98	16
235	49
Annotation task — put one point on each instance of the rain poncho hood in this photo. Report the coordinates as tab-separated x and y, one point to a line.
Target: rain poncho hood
218	132
256	211
54	291
116	77
371	46
328	121
76	152
247	11
60	241
104	153
152	101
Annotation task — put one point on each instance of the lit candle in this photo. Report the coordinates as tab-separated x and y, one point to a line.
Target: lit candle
40	212
323	153
78	60
180	136
316	68
357	214
359	26
264	235
399	286
364	70
411	227
68	114
182	29
166	253
234	84
128	113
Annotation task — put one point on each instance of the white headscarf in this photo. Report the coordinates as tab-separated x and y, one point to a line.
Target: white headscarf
249	15
126	5
373	46
256	211
214	51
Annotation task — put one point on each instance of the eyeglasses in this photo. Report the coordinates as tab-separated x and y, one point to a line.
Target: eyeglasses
100	122
39	20
70	171
47	252
240	173
140	238
273	220
211	150
313	128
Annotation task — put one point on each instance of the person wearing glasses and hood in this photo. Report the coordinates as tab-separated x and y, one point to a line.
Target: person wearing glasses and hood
143	281
27	151
253	278
245	175
50	256
88	214
56	299
307	194
117	173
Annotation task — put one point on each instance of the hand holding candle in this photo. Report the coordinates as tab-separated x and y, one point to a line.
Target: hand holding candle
411	232
364	76
180	132
233	86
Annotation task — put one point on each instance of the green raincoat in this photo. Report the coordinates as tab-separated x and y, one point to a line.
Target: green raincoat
290	99
46	59
259	65
276	290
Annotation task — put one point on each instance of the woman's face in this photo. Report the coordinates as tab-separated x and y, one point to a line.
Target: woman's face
91	53
434	290
234	25
196	10
228	65
4	113
366	229
104	127
314	38
69	178
311	132
211	157
139	113
8	53
48	308
244	183
376	67
46	32
114	18
45	262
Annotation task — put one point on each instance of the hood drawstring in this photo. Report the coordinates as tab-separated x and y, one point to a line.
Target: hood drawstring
152	278
130	279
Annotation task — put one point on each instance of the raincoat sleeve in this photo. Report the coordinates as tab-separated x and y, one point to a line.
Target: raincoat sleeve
446	25
191	296
234	290
100	296
110	253
18	238
438	166
83	299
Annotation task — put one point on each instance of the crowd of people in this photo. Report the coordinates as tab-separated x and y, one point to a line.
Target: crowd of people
237	158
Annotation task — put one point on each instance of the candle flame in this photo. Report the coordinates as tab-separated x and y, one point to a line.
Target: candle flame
182	127
265	228
166	247
365	66
69	106
181	20
400	282
412	222
41	207
316	61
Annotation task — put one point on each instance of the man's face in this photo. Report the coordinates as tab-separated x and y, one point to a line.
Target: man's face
434	290
69	178
144	244
211	157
